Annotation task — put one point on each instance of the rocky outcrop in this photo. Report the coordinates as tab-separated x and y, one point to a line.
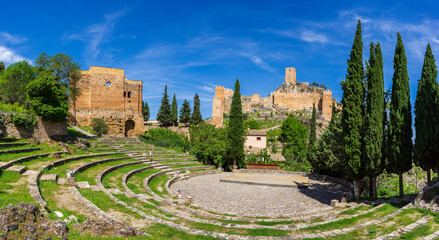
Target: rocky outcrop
24	221
107	227
428	198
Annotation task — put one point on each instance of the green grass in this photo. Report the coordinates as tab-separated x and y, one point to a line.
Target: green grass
286	222
237	231
114	178
186	165
348	222
89	175
135	182
74	133
12	192
160	181
88	129
105	203
356	210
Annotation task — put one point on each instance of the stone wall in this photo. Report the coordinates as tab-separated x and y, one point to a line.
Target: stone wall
290	96
41	131
107	94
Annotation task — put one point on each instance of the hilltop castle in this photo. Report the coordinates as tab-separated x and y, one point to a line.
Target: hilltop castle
288	97
107	94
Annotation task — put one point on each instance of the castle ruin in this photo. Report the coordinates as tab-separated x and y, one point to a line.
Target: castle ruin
288	97
107	94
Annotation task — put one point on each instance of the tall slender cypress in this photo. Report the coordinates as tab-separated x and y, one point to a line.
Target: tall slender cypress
352	119
196	114
312	132
145	111
400	128
164	114
185	112
373	123
174	111
235	131
426	150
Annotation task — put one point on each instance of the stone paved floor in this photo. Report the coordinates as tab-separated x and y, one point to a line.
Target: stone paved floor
252	200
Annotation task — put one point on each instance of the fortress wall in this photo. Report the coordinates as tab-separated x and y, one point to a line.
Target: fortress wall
327	102
296	101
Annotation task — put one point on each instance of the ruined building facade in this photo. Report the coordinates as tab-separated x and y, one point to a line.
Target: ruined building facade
288	97
107	94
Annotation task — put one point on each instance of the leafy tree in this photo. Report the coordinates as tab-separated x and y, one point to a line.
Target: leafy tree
400	128
145	111
426	149
185	112
235	140
312	132
352	119
174	112
2	67
47	99
373	124
329	154
294	135
99	126
209	143
164	114
196	114
13	81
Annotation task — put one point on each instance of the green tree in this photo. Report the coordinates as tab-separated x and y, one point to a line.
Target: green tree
312	132
294	135
209	143
174	111
400	129
99	126
329	154
185	112
13	81
2	67
352	119
235	140
426	149
196	114
47	99
373	123
164	114
145	111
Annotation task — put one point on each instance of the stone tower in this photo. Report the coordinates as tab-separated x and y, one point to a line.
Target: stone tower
290	75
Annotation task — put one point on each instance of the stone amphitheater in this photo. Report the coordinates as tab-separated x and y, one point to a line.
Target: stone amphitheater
111	188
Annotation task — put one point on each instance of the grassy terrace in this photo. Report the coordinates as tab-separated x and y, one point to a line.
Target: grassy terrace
187	165
135	182
114	178
89	175
157	185
13	189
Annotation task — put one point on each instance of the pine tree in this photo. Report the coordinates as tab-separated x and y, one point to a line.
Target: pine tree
373	124
352	111
2	67
164	114
185	112
174	111
400	128
145	111
426	149
235	131
196	114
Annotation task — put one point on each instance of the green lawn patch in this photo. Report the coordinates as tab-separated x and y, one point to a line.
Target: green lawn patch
13	189
89	175
114	178
135	182
157	185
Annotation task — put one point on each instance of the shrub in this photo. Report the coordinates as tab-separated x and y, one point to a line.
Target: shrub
99	126
23	121
164	137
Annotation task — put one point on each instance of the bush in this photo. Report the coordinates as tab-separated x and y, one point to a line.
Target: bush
209	143
164	137
99	126
23	121
261	157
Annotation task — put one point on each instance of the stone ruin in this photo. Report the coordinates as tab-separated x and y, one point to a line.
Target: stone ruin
106	93
288	97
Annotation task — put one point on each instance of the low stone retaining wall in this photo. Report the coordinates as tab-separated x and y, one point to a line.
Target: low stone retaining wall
262	166
92	164
8	145
25	159
19	150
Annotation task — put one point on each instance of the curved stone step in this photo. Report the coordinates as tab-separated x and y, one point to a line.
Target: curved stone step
8	145
23	150
409	228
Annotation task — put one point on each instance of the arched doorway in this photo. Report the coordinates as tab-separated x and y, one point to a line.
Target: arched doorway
129	125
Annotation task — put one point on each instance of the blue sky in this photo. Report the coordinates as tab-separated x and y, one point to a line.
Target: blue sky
194	45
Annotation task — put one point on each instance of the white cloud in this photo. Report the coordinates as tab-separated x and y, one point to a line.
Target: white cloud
6	38
207	88
8	56
310	36
257	61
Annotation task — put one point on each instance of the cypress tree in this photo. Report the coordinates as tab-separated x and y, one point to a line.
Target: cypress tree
174	111
196	114
312	132
352	111
400	128
235	131
373	124
145	111
164	114
426	149
185	112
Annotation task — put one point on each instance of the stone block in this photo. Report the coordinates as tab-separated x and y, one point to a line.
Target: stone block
19	169
48	177
71	181
83	185
61	181
334	203
189	199
115	191
95	188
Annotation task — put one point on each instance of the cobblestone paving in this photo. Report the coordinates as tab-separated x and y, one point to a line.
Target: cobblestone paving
252	200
